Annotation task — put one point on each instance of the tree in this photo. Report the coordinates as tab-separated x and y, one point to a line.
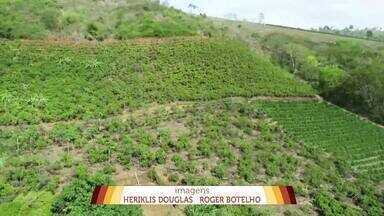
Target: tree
369	34
327	28
192	6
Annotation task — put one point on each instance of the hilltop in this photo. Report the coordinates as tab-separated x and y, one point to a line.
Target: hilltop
96	20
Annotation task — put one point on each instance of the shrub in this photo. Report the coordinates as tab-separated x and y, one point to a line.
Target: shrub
98	154
155	177
96	31
62	133
182	143
126	152
329	206
174	177
75	199
245	169
205	147
220	171
160	156
33	203
331	77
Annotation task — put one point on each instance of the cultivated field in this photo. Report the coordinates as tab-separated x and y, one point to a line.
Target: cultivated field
335	130
45	82
82	104
225	142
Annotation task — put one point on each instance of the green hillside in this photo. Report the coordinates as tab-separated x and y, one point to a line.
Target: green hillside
348	72
129	92
60	81
96	20
335	130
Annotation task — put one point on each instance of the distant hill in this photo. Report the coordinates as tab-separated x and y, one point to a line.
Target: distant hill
245	29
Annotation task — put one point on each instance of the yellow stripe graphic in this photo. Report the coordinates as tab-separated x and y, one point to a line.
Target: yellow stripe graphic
116	196
278	195
271	198
108	195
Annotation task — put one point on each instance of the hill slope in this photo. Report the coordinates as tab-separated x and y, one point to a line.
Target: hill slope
226	142
175	111
96	19
338	131
52	81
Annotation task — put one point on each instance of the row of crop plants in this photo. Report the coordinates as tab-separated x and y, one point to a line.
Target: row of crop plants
333	129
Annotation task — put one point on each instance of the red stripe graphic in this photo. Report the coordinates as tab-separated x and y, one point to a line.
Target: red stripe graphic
291	194
95	194
284	193
101	196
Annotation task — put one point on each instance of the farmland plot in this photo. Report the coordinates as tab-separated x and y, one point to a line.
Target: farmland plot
335	130
225	142
47	82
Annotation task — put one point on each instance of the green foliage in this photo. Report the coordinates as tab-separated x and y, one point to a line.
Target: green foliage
342	133
126	152
44	82
63	134
27	19
75	199
96	31
346	72
98	154
266	155
329	206
26	173
205	147
96	21
150	26
331	77
33	203
245	169
182	143
220	171
155	177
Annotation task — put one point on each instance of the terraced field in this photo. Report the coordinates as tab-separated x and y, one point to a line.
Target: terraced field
46	82
335	130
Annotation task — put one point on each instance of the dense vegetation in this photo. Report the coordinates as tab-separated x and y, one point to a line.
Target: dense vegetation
227	142
346	72
75	114
331	128
49	81
96	19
